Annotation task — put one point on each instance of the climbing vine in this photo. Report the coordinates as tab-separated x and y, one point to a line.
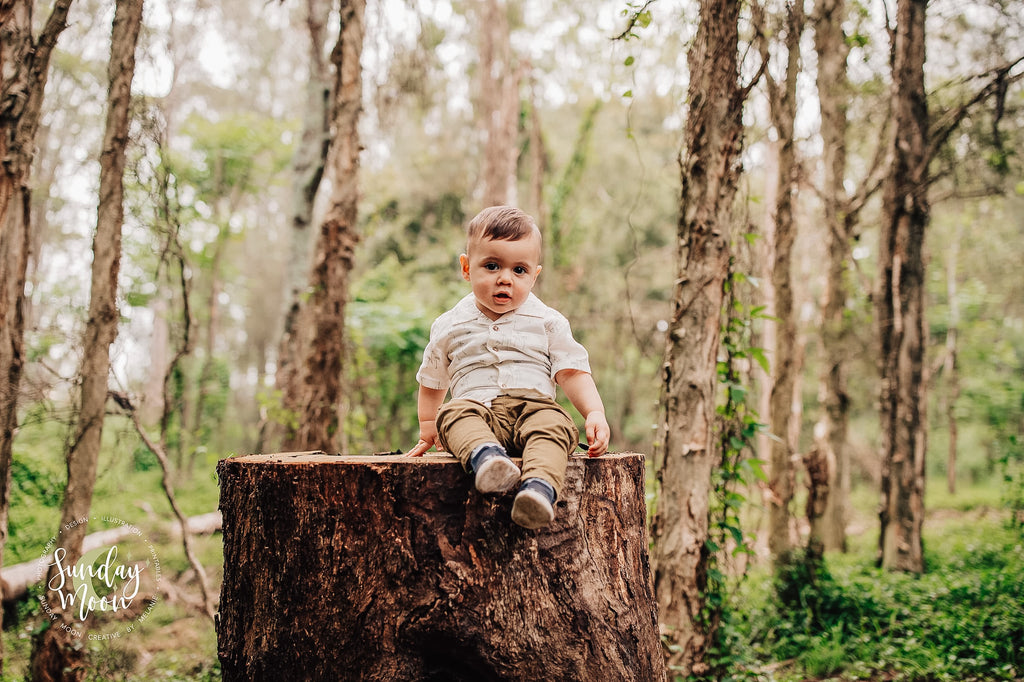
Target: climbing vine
736	429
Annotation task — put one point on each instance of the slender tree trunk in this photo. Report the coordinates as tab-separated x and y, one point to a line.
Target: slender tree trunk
782	97
57	654
710	167
499	105
899	301
24	66
842	210
538	161
307	171
321	369
950	367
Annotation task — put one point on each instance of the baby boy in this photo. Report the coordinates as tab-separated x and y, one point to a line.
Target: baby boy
501	352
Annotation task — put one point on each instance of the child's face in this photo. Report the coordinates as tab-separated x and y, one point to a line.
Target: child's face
501	272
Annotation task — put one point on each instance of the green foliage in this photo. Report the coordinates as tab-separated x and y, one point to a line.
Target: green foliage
1012	463
736	427
386	341
960	621
233	154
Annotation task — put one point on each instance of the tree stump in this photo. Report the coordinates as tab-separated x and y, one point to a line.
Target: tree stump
396	568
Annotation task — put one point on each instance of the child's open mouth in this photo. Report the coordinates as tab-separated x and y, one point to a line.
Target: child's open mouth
503	297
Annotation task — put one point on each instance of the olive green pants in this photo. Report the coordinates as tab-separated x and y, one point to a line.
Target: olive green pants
537	429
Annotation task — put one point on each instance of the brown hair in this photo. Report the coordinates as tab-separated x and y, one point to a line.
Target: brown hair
501	222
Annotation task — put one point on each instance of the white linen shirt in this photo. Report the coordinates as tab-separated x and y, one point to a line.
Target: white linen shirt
480	359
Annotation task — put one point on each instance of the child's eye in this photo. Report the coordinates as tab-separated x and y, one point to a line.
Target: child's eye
520	270
491	266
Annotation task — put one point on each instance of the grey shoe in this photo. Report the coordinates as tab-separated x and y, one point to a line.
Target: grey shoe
495	471
534	504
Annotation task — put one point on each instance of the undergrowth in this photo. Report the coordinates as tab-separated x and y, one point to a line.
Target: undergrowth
961	620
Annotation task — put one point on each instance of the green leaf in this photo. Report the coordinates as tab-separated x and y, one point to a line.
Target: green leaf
629	60
755	468
737	534
758	355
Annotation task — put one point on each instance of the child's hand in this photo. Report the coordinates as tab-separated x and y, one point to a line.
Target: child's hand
428	438
598	433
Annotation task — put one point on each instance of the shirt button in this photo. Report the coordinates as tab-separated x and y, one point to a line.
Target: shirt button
495	328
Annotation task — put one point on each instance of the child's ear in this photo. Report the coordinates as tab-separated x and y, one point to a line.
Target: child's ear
464	262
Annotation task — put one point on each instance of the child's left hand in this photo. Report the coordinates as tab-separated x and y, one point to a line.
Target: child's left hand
598	434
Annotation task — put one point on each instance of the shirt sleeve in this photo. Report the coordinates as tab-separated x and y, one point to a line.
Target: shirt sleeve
565	351
433	372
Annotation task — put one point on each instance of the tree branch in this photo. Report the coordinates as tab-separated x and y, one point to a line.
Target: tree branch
634	18
186	536
944	126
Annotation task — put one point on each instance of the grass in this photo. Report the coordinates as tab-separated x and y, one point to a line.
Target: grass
961	620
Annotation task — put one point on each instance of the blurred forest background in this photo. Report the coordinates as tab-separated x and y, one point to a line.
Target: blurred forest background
213	254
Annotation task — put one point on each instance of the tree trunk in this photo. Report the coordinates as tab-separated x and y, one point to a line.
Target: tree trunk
57	655
499	105
24	66
950	367
782	98
538	161
899	301
393	568
710	166
830	436
819	464
308	164
320	382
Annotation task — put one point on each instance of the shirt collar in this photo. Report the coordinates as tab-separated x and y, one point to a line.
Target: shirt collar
466	310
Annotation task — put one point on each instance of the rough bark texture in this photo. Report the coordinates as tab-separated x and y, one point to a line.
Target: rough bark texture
56	654
710	166
320	388
24	66
394	568
817	463
833	92
899	302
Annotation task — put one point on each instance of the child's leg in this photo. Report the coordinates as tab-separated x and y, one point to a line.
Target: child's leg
546	435
471	432
462	426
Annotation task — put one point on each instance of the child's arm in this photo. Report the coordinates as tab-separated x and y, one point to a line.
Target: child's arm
582	392
427	403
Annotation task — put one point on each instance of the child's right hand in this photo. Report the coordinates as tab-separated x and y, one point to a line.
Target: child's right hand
428	437
420	448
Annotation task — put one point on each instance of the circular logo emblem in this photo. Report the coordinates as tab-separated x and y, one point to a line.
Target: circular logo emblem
106	579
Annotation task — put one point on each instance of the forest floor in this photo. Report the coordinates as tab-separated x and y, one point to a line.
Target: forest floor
178	642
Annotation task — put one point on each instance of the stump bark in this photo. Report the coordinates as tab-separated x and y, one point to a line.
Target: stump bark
395	568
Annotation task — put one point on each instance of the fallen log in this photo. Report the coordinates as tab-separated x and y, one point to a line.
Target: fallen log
15	580
395	568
